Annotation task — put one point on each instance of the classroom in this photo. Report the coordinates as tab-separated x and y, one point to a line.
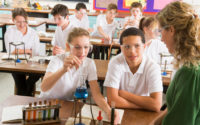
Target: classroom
100	62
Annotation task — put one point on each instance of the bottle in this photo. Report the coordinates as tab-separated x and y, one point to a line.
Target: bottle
99	119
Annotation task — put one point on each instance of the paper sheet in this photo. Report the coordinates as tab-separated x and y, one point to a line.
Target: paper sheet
86	113
70	121
12	114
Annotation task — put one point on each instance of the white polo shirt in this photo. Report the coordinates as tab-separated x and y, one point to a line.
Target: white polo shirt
109	29
130	18
155	48
61	36
83	23
67	84
145	81
30	39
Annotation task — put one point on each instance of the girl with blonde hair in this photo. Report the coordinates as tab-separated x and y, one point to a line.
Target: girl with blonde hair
180	28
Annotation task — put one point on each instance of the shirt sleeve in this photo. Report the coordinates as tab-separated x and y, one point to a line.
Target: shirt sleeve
183	100
53	65
8	39
154	79
92	72
54	40
113	75
87	23
36	45
99	21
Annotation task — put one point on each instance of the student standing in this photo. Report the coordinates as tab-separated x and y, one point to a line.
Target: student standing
60	13
136	15
180	28
106	24
133	80
63	72
80	18
21	32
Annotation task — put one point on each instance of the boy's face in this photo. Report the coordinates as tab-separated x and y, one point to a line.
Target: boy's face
80	47
60	20
80	14
136	12
133	49
20	22
111	14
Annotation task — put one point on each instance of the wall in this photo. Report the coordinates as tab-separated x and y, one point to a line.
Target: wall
70	4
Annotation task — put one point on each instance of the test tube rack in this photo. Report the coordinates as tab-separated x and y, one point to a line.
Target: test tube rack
40	114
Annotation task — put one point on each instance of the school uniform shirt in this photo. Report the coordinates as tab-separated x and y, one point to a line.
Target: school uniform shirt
83	23
145	81
154	50
61	36
65	87
109	29
30	39
130	18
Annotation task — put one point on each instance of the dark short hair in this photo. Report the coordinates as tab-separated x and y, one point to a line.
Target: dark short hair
19	12
60	9
76	32
147	21
136	5
112	6
80	6
132	32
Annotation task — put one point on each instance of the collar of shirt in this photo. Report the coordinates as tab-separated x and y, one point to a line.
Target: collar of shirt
28	31
140	69
66	29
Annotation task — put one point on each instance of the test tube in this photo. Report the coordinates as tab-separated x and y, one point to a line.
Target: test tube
49	110
44	111
29	112
40	111
34	112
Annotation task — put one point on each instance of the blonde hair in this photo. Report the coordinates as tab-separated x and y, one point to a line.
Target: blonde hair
76	32
186	24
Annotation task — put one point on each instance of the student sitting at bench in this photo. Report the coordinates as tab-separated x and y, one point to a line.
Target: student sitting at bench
64	71
60	13
133	80
21	32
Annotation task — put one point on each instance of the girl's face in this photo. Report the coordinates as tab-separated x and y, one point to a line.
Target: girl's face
80	47
20	22
152	31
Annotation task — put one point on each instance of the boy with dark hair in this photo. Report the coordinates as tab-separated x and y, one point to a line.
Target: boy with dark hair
133	80
64	26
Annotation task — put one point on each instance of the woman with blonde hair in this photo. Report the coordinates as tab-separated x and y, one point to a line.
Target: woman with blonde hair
180	29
